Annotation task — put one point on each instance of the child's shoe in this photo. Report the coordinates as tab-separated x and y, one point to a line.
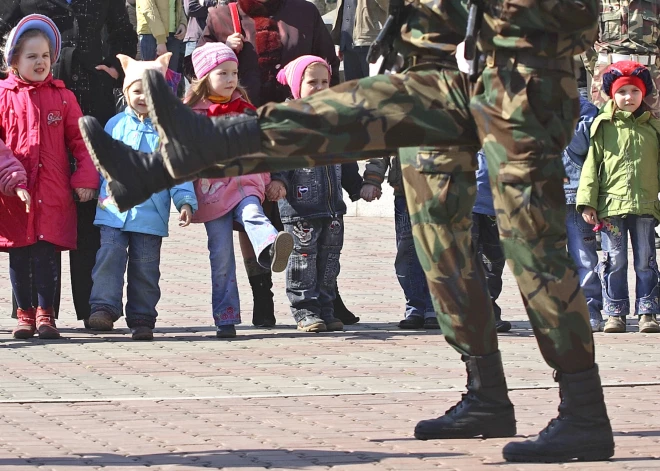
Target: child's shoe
280	251
412	322
615	325
142	333
312	323
46	324
502	326
595	324
341	311
101	320
27	324
225	331
431	323
648	324
263	311
333	324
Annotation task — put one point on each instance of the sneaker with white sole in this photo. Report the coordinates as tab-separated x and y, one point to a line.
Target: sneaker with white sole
648	324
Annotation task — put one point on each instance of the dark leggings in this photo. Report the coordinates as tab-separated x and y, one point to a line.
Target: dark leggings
43	270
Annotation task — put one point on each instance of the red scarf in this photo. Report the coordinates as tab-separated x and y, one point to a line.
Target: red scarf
268	42
236	106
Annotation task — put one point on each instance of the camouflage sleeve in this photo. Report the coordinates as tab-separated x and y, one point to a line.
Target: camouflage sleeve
374	174
589	59
588	189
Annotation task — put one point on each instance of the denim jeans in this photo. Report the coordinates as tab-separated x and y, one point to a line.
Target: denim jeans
356	65
36	262
486	240
613	266
311	275
582	248
148	46
408	270
141	252
262	234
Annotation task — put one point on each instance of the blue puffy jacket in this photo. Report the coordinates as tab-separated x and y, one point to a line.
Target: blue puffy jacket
575	154
152	216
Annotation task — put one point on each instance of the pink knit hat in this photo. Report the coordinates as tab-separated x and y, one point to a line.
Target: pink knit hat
209	56
292	73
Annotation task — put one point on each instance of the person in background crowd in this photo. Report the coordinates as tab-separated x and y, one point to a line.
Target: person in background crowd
357	24
91	76
486	239
196	11
31	99
581	239
161	26
419	313
618	191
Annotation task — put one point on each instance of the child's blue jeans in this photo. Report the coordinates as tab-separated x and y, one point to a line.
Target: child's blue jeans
141	252
408	270
262	234
582	247
613	267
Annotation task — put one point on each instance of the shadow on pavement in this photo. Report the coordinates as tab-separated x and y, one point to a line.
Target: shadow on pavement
249	458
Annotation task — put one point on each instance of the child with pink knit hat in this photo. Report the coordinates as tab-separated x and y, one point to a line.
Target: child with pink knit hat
312	209
225	200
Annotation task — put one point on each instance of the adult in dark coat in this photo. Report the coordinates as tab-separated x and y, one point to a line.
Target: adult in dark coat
91	76
273	33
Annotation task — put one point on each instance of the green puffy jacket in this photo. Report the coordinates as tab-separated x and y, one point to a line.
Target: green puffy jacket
621	174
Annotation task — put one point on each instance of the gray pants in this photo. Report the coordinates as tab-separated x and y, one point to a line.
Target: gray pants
311	275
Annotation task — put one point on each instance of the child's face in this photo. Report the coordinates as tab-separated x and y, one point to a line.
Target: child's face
223	80
136	99
315	79
33	62
628	98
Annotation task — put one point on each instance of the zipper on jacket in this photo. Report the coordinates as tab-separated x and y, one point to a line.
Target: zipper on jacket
327	173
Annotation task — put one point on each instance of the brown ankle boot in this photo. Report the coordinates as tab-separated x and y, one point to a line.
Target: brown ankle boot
46	324
27	324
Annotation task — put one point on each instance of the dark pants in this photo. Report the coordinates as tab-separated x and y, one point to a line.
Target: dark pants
81	263
355	63
311	276
35	265
486	240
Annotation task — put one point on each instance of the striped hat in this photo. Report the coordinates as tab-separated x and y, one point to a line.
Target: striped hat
40	22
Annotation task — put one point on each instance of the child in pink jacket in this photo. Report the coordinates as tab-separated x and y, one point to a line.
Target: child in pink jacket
39	123
225	200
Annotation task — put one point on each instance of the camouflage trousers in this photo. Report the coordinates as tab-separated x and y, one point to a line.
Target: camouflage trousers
599	98
524	118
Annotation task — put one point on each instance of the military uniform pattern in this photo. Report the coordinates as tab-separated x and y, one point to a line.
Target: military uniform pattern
630	27
523	109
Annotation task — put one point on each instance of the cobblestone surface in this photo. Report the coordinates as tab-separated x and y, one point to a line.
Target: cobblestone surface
280	399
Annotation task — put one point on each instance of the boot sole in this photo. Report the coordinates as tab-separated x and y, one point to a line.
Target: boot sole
85	128
282	248
315	328
49	334
100	325
649	330
461	435
23	334
584	454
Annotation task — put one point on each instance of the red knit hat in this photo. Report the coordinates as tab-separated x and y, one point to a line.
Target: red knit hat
627	73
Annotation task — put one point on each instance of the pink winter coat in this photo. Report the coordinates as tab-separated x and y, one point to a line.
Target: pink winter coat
39	122
12	173
218	196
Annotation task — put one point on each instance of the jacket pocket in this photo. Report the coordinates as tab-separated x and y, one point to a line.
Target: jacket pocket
305	186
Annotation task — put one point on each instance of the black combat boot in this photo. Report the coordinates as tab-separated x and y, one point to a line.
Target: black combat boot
132	176
341	311
263	313
581	431
485	410
190	142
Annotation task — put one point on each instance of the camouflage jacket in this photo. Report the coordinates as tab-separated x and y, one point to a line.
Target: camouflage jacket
559	28
628	27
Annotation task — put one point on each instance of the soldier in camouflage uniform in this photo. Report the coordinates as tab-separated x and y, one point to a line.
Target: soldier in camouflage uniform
522	109
628	30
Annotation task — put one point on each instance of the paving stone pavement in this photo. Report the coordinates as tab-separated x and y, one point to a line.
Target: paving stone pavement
280	399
